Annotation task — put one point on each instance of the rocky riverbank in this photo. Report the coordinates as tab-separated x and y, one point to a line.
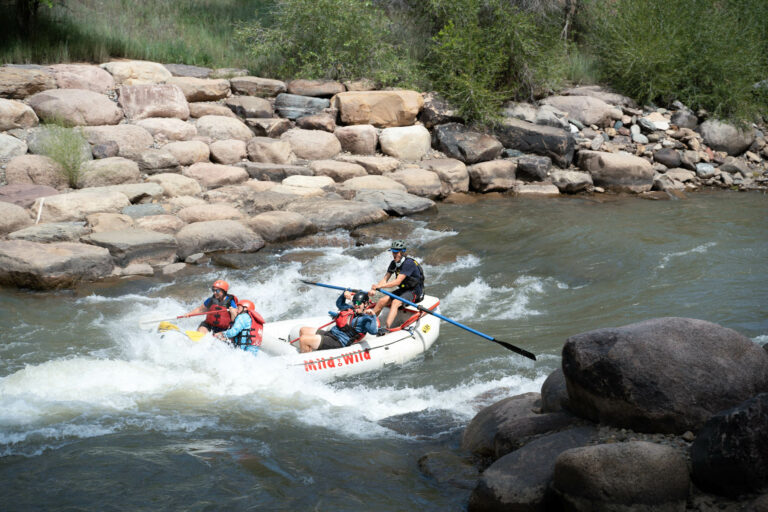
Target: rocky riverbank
666	414
180	161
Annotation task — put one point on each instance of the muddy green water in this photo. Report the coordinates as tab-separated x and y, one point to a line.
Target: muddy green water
96	414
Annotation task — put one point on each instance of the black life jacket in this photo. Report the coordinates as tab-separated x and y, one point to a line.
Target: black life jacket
252	335
410	282
219	312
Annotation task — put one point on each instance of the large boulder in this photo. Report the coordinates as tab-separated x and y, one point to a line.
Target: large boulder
437	111
333	214
18	82
492	176
176	185
78	205
318	88
338	171
11	147
217	235
203	212
250	106
395	202
266	172
556	143
204	108
75	107
372	164
131	140
15	114
661	375
223	128
37	170
372	183
108	171
269	150
228	151
379	108
276	226
137	72
722	136
470	147
269	126
418	181
49	266
406	142
453	173
131	246
358	139
622	476
620	172
189	152
521	480
585	109
25	194
83	76
51	232
201	89
13	218
596	91
153	100
256	86
292	106
312	144
729	456
168	128
215	175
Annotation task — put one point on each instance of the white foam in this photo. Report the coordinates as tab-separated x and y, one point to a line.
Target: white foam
696	250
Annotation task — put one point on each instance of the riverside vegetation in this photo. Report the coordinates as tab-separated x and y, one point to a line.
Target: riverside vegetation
185	161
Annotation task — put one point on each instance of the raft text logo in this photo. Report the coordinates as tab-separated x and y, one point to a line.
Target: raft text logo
342	360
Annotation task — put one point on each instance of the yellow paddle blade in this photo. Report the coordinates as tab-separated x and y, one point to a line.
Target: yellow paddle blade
166	326
194	335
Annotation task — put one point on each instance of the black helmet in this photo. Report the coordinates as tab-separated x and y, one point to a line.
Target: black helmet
398	245
359	298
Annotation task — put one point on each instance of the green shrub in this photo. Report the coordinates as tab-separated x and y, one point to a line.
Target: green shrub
335	39
488	51
65	146
706	54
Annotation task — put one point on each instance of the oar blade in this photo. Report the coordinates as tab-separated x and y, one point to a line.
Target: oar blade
195	335
515	349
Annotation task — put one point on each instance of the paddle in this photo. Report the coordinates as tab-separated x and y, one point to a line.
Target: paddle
504	344
193	335
147	323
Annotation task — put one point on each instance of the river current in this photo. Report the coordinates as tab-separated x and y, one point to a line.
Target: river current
96	414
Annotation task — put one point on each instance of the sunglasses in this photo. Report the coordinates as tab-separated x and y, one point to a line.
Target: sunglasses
216	290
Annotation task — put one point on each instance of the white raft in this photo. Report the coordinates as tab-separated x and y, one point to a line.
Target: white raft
415	333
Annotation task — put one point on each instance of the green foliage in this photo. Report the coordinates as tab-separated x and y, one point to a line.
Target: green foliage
488	51
706	54
335	39
65	146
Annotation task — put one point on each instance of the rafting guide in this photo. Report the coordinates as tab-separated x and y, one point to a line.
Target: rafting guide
408	281
221	308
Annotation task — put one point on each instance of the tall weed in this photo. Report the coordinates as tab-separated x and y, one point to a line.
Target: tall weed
65	146
706	54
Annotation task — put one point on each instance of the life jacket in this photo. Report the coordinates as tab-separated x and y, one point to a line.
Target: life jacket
345	322
252	335
410	282
218	316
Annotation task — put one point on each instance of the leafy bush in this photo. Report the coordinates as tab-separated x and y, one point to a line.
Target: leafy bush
335	39
705	54
488	51
66	147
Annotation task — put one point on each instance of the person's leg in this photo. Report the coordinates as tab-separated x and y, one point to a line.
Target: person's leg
203	328
309	342
393	312
381	304
307	331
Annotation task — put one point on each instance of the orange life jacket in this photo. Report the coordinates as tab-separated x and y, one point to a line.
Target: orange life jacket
344	322
252	336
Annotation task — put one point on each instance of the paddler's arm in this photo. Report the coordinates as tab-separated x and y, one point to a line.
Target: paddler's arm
370	324
389	284
341	302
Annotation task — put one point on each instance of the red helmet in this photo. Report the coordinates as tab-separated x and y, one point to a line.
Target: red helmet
219	283
248	305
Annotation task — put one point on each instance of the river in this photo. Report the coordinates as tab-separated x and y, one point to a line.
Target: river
96	414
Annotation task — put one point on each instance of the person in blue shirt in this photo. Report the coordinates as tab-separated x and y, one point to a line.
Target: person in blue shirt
221	307
247	329
352	323
408	281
